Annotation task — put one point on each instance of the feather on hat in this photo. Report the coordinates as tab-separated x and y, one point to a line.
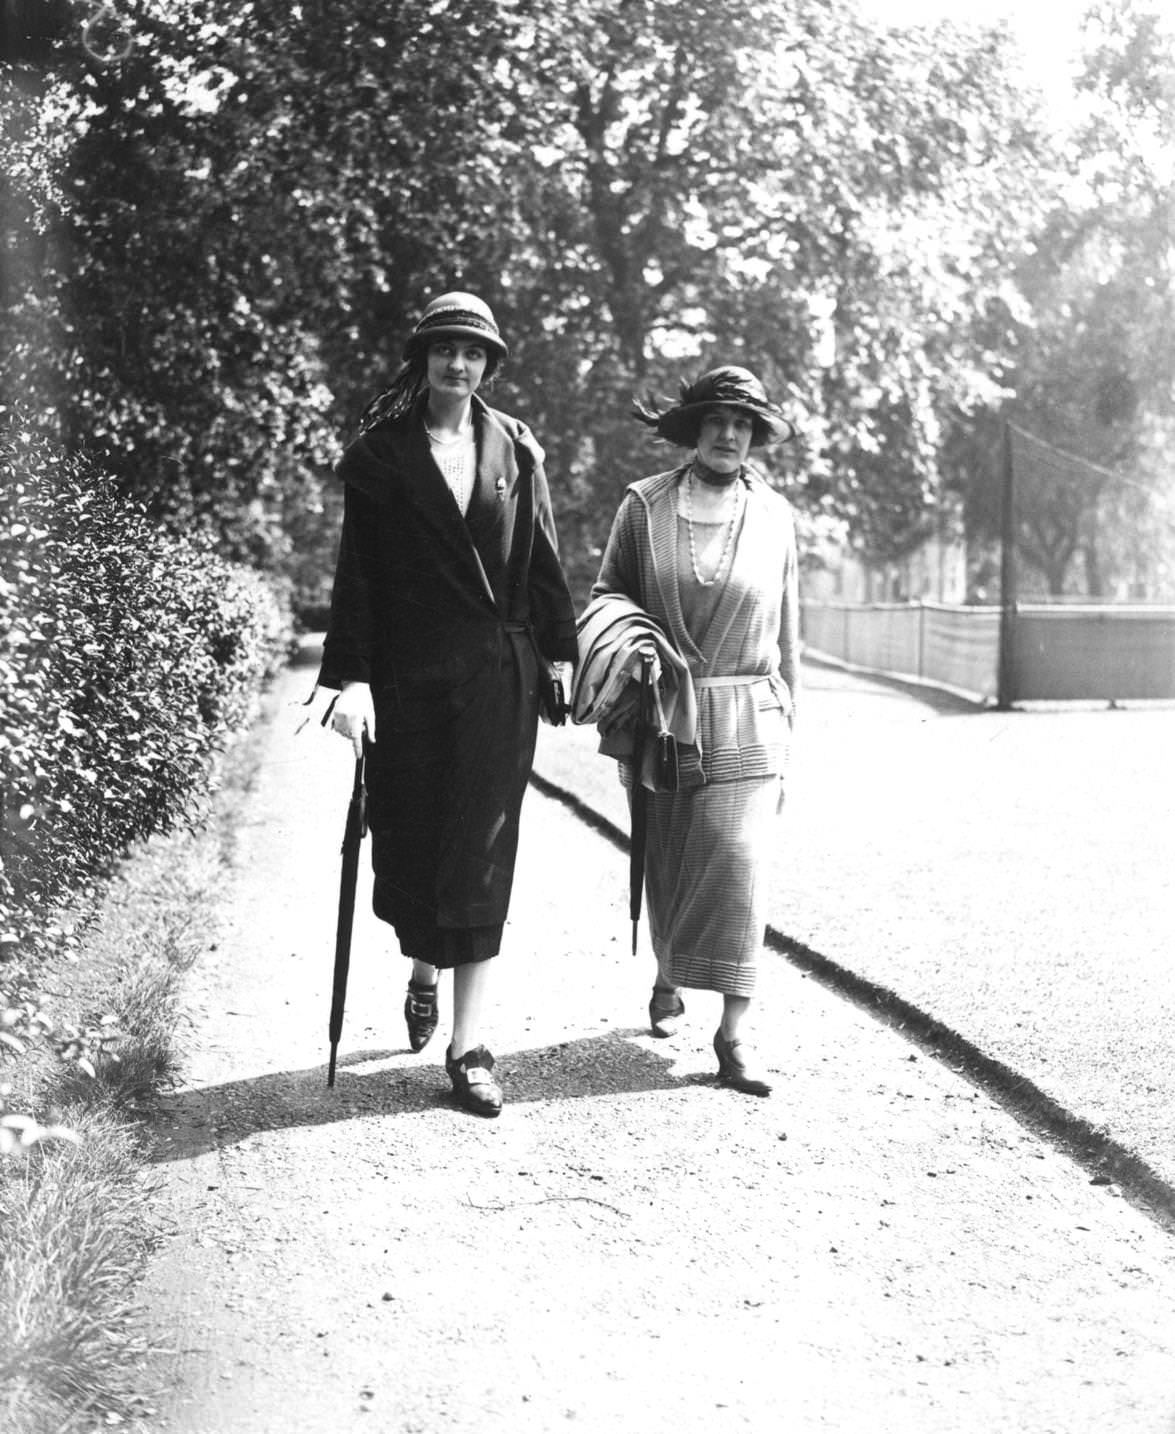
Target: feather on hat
725	387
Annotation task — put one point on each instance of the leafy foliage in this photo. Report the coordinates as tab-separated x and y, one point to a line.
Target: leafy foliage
221	238
125	657
1090	368
709	181
148	319
233	227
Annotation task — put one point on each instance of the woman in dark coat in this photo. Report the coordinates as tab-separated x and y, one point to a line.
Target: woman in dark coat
450	610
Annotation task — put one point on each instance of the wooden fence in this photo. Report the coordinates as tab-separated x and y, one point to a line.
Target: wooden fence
1065	653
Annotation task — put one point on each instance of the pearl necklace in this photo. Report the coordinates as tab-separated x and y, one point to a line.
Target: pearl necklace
728	544
451	438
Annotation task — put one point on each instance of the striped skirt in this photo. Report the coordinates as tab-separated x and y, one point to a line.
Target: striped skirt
706	878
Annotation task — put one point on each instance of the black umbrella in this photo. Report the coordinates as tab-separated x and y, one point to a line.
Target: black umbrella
650	721
353	834
639	812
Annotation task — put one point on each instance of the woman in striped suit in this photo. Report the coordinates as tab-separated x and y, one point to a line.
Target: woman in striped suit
709	549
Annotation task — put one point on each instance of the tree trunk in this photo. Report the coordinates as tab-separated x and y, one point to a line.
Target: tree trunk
1095	584
1055	569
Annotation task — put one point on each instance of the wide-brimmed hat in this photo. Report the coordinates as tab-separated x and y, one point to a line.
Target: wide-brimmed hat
725	387
456	315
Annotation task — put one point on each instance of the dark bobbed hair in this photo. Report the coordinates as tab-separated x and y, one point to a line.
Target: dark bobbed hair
410	382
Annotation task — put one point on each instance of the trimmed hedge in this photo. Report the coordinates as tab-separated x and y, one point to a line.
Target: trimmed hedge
126	657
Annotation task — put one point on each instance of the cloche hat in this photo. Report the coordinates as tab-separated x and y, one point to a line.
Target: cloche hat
725	387
456	315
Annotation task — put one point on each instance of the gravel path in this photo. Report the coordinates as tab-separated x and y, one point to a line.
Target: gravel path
876	1248
1011	875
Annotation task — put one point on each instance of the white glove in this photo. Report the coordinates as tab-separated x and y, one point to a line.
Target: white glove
354	714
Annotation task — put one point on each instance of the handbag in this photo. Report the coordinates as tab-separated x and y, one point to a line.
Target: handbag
661	764
552	697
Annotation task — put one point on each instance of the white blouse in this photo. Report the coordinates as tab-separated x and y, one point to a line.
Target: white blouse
457	460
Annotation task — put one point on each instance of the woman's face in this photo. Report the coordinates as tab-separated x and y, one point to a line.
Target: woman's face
724	439
456	366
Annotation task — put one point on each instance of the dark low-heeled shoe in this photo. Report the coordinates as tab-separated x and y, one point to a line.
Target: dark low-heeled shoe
421	1014
732	1068
473	1083
664	1010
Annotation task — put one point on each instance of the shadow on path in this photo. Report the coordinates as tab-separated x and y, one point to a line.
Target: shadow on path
832	679
193	1122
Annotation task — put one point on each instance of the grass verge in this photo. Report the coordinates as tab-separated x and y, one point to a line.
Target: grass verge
79	1221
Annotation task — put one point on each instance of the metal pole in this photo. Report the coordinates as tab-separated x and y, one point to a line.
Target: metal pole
1006	675
922	636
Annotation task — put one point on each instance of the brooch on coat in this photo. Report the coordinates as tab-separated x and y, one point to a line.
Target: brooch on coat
500	489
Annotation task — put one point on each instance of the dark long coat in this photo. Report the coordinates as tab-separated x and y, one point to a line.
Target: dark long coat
446	616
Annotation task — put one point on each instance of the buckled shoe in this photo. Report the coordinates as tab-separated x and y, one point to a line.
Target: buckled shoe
421	1014
473	1081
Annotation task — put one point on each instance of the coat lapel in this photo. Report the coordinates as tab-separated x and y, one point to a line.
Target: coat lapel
662	520
743	560
397	458
421	482
750	559
496	483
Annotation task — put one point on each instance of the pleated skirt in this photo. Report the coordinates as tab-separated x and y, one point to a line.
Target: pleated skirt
706	882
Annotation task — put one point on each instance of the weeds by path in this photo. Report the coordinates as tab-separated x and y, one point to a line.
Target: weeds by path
78	1221
74	1243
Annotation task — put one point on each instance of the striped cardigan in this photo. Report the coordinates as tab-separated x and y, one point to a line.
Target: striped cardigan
745	668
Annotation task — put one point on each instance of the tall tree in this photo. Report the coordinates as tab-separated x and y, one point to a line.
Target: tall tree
253	202
239	208
709	177
1092	368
